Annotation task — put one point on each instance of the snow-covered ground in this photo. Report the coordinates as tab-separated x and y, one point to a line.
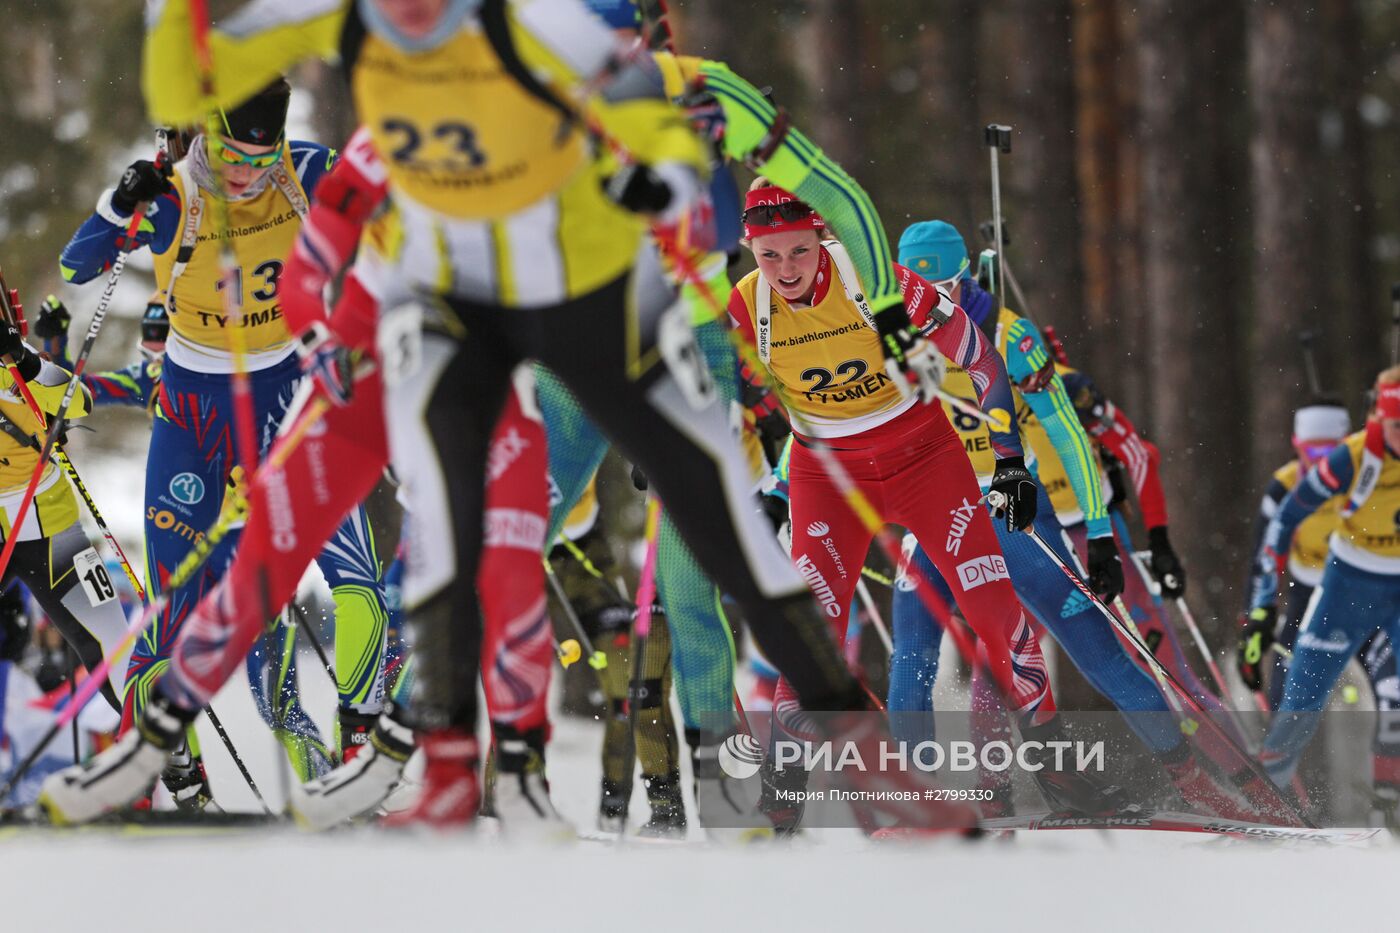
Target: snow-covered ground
831	880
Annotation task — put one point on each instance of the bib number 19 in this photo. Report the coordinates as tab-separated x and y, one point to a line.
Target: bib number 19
93	576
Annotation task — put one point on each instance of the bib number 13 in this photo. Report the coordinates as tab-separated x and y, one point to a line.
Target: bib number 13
93	576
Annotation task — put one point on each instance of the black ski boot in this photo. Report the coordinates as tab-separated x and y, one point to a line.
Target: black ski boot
667	807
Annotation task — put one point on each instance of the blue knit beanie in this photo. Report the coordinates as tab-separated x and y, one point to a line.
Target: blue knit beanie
935	250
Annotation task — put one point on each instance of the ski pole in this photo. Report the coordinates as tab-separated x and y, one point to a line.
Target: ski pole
73	689
873	611
876	576
596	659
1305	340
998	139
1227	696
237	760
641	629
304	625
14	312
1216	674
1146	653
240	385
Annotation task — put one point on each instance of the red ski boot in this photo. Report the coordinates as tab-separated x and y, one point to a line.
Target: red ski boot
451	794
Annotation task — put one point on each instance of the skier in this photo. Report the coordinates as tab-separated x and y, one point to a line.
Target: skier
1318	429
267	180
1064	460
580	559
628	388
802	312
1359	593
52	556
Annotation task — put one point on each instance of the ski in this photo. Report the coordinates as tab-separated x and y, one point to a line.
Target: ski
1171	821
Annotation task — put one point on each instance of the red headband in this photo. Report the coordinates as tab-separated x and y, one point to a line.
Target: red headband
1388	400
772	197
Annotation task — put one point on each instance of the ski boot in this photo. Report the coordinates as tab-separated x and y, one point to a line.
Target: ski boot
358	787
1064	788
1273	804
355	730
121	774
521	791
184	776
1385	807
727	806
451	796
781	797
667	807
1197	787
612	807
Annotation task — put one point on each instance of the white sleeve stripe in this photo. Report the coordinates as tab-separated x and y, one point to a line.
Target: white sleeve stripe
569	32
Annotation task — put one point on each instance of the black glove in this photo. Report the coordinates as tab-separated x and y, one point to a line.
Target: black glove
1105	568
53	321
1165	565
638	189
1014	481
1255	641
639	479
13	346
143	180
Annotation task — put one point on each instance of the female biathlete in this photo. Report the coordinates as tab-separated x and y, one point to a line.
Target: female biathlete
267	180
803	313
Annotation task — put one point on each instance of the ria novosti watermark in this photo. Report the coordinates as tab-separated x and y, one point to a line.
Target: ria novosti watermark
741	756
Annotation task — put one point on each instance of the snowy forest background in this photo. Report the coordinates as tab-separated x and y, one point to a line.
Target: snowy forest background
1193	184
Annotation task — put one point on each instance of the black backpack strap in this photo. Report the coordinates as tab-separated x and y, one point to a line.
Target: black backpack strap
497	28
352	39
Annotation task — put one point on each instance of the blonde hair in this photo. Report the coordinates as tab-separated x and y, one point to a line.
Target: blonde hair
1390	375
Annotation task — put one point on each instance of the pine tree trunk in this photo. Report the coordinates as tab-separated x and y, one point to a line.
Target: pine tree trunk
1194	403
1289	271
1040	190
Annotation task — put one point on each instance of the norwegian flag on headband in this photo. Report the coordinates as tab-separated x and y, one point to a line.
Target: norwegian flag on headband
773	210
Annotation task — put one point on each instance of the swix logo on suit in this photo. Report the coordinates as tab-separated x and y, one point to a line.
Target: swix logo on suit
962	517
